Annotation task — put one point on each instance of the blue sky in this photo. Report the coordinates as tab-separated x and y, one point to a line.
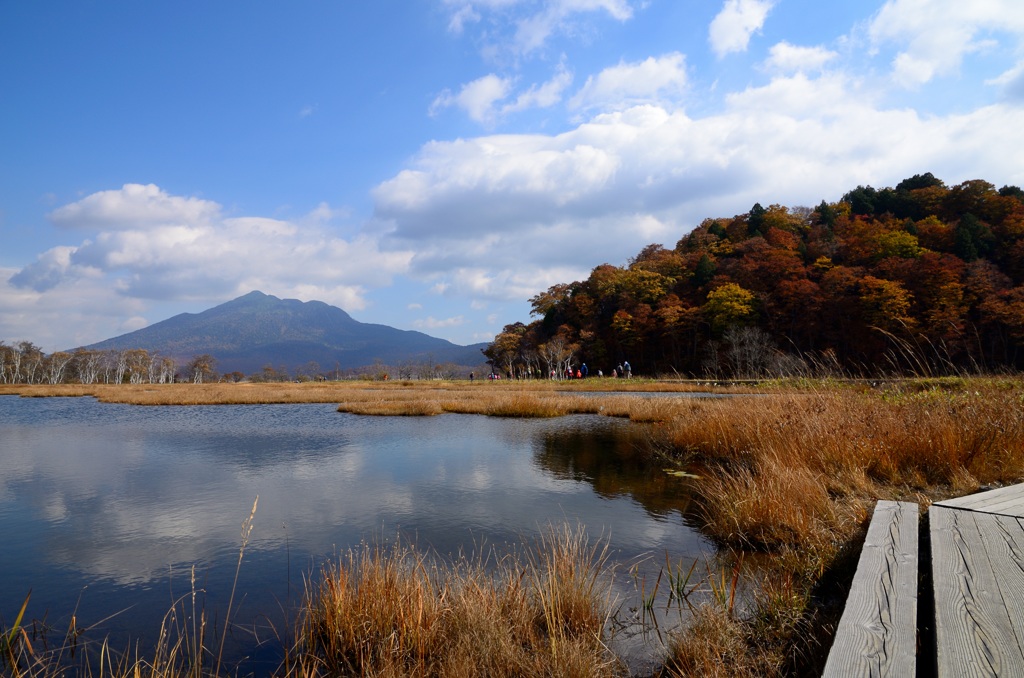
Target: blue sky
431	164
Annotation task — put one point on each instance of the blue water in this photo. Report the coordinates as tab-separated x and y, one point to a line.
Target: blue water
106	509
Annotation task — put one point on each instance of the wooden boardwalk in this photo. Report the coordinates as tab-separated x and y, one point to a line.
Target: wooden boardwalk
877	635
977	590
978	583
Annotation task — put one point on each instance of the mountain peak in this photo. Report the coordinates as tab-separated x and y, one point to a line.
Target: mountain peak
257	329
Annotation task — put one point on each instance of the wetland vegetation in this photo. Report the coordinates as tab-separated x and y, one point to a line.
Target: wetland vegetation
783	482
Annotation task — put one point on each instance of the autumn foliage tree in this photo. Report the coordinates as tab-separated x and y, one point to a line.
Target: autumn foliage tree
922	277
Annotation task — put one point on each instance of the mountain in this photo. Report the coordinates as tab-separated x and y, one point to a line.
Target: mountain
258	329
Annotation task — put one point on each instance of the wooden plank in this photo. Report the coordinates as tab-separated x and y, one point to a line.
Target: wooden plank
973	633
1004	544
980	501
1012	507
877	635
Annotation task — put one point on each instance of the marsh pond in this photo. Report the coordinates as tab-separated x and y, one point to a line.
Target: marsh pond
111	512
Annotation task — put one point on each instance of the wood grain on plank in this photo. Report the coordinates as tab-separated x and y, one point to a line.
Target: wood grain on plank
1006	500
877	635
974	636
1004	544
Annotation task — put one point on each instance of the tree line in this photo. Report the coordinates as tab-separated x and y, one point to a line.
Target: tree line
923	278
23	362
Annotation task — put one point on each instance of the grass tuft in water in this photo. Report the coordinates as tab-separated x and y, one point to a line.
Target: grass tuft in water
391	611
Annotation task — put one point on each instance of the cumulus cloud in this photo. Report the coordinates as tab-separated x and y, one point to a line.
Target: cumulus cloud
477	98
787	58
69	316
498	217
934	36
627	84
544	95
47	271
133	206
486	100
731	29
150	246
492	217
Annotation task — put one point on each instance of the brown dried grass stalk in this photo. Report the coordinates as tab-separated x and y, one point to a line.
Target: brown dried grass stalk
330	391
796	475
392	611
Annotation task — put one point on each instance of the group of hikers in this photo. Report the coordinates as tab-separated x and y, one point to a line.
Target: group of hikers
622	370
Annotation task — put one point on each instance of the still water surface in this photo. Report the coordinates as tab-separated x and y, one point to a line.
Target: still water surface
105	509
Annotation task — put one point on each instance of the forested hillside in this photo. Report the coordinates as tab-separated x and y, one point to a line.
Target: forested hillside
921	278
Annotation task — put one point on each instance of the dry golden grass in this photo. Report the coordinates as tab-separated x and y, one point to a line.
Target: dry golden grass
795	475
491	402
244	393
715	645
391	611
192	394
792	472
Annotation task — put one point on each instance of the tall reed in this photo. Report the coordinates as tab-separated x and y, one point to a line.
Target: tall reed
394	611
795	475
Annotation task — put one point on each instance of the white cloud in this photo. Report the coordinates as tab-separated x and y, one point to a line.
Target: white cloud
133	206
544	95
525	27
934	36
731	29
799	97
1011	82
477	98
47	271
532	32
627	84
432	323
148	246
323	214
136	322
495	179
71	315
787	58
495	218
505	282
501	217
462	16
482	99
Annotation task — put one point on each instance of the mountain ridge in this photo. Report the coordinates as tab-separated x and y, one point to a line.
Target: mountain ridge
256	329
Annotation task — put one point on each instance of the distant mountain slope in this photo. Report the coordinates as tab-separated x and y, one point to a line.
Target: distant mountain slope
258	329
